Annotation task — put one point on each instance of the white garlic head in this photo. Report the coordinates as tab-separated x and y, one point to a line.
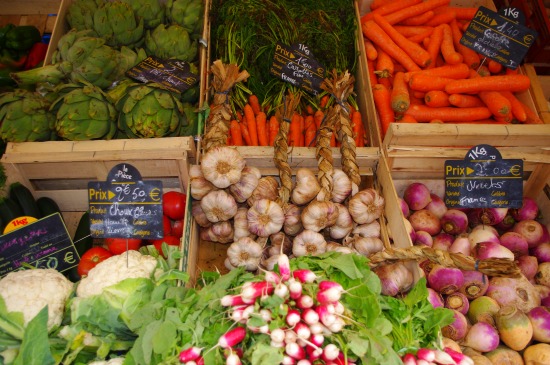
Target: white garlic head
245	252
221	232
307	187
309	242
335	246
366	246
371	229
293	220
218	206
279	241
222	166
268	188
243	188
319	215
240	224
366	206
343	225
265	217
198	214
341	186
199	185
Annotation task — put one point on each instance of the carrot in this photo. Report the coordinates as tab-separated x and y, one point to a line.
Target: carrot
509	71
295	132
261	123
469	56
318	118
418	95
436	99
389	8
373	31
251	124
518	111
382	97
309	109
494	67
324	101
255	104
497	104
357	129
409	11
239	116
425	83
409	31
434	46
420	37
532	117
465	101
419	19
370	50
406	118
400	99
483	121
310	131
236	135
466	13
450	55
443	17
457	72
372	76
415	52
489	83
384	65
245	134
423	113
273	129
386	81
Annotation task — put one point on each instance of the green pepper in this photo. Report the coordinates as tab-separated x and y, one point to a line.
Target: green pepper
22	37
10	61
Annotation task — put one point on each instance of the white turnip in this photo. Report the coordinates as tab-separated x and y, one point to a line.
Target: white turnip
443	241
457	301
528	265
542	252
514	291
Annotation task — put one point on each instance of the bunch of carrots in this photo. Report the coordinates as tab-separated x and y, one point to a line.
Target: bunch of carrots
253	127
420	72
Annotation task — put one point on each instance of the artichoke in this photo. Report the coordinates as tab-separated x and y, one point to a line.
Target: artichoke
152	11
149	111
80	13
186	13
170	42
25	117
83	112
188	126
117	23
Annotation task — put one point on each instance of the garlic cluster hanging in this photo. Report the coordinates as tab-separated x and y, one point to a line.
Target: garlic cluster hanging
222	166
366	206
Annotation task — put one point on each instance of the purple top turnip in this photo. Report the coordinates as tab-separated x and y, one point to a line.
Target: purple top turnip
528	210
487	216
424	220
445	280
436	206
531	230
454	221
417	196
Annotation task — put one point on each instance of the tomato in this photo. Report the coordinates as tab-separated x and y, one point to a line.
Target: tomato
169	239
166	225
91	258
177	228
118	245
173	204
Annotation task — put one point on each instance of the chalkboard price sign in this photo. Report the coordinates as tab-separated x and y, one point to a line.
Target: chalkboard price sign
172	74
297	65
125	206
484	180
499	38
44	244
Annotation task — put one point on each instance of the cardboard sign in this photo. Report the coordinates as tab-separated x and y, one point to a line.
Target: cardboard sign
124	206
484	180
498	38
173	74
44	244
297	65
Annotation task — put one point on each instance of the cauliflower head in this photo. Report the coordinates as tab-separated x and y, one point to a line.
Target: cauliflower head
113	361
114	270
28	291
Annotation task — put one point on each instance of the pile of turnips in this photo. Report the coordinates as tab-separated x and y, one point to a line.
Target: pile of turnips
491	313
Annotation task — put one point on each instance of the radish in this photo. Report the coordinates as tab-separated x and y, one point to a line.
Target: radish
330	352
277	335
295	289
252	290
190	354
317	339
337	325
305	301
326	284
317	328
330	295
233	359
292	317
327	318
304	275
287	360
458	357
425	354
281	290
232	337
290	336
295	351
303	362
302	330
443	358
232	300
272	277
409	359
277	344
265	314
284	267
310	316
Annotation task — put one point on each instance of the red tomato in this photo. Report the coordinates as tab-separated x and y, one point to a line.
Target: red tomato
170	240
166	225
91	258
173	204
177	228
118	245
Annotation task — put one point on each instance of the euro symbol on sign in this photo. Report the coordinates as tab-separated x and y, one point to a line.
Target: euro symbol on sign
69	258
514	170
155	194
528	39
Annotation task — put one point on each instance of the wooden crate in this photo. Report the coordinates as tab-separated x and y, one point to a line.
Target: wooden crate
40	13
61	170
457	134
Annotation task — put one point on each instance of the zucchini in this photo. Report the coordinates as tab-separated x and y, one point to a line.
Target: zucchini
83	241
9	209
22	195
47	206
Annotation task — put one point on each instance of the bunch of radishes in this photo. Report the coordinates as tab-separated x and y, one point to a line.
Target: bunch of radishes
447	356
489	312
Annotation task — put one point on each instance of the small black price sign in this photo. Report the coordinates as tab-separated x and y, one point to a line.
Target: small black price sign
125	206
173	74
484	180
297	65
499	38
44	244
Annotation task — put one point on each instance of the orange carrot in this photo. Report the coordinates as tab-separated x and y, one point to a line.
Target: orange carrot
245	134
310	131
434	46
457	72
333	141
384	65
357	129
469	56
509	71
532	117
382	99
309	109
420	37
409	31
236	135
389	8
418	95
450	55
497	104
372	76
465	101
318	118
373	31
443	15
261	123
255	104
273	129
239	116
518	111
494	67
406	118
295	132
251	123
489	83
423	113
425	83
415	52
436	99
400	99
370	50
324	101
405	12
419	19
466	13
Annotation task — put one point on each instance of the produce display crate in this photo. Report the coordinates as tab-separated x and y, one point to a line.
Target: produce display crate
61	170
40	13
458	134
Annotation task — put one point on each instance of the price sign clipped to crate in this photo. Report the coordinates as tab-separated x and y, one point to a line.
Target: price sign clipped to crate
499	37
125	206
173	74
484	180
43	243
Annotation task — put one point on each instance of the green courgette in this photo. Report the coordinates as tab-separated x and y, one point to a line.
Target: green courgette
47	206
23	196
83	241
9	209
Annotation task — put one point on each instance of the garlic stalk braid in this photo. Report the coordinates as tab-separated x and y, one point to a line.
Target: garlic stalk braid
284	114
325	162
491	267
217	124
341	87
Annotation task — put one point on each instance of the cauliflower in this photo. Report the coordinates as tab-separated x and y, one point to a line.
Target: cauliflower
28	291
113	361
114	270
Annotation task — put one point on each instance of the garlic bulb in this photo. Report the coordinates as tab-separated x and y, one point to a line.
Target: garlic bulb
308	243
293	220
366	245
222	166
268	188
277	240
199	185
366	206
221	232
245	252
307	187
228	265
198	214
343	225
319	215
270	262
265	217
371	229
240	224
341	186
218	206
243	188
334	246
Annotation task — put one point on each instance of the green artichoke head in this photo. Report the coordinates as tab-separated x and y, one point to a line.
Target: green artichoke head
83	112
171	41
189	124
152	11
80	13
118	24
187	13
25	117
149	111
